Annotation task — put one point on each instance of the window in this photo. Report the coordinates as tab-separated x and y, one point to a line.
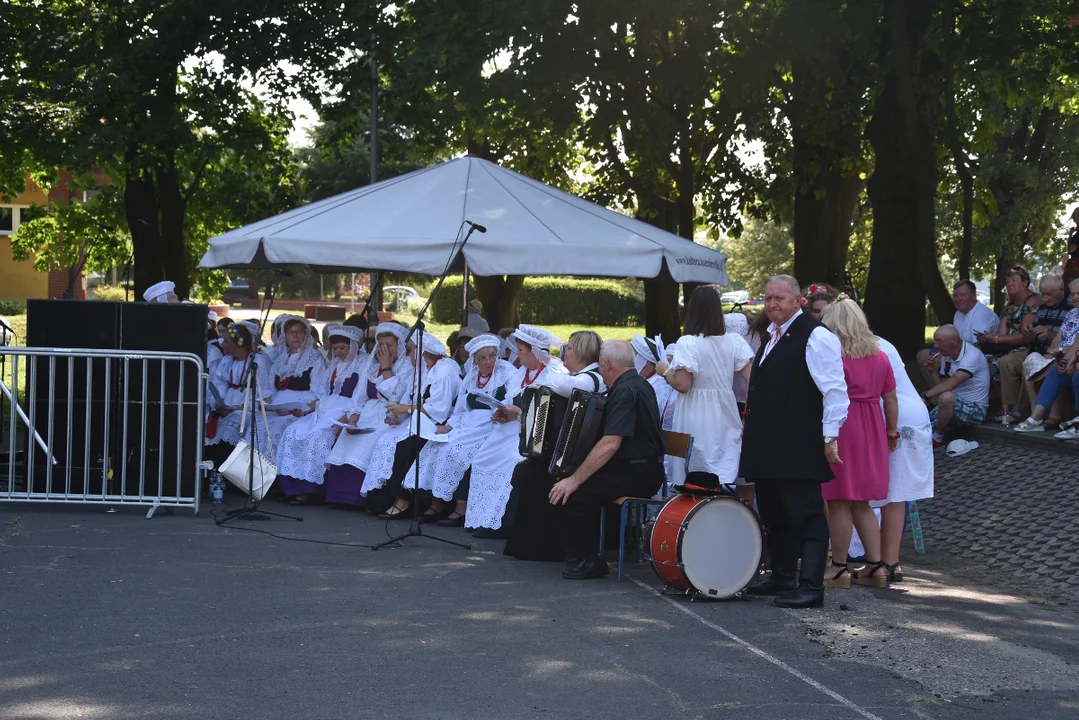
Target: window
9	219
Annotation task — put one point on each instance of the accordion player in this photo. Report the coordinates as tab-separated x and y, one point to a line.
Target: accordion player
582	428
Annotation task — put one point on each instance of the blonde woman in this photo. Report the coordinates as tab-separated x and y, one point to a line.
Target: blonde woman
866	438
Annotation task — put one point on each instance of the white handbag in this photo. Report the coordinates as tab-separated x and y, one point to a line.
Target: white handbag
237	468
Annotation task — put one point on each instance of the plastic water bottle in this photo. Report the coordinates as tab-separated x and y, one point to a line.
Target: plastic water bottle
1006	418
217	488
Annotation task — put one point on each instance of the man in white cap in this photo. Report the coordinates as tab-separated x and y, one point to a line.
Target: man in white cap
163	292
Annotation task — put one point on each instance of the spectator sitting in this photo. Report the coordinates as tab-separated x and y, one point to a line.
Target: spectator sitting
961	389
1062	374
1016	395
971	319
1017	317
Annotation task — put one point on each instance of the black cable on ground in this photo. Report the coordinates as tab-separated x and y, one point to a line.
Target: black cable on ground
218	521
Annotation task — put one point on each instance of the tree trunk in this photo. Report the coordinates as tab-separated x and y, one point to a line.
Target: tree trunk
823	217
903	266
500	296
173	212
141	210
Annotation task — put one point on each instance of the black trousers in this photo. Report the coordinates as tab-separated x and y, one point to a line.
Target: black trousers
578	519
792	511
534	535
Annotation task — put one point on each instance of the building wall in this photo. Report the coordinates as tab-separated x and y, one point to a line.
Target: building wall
19	280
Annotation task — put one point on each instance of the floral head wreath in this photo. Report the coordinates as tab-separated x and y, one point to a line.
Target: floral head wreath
235	335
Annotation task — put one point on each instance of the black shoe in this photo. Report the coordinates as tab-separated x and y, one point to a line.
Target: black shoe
773	584
452	521
803	597
588	570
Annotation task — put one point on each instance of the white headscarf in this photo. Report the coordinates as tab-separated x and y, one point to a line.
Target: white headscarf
295	364
648	350
160	292
352	334
432	345
539	339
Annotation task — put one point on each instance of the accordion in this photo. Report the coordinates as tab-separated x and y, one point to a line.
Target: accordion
540	419
582	428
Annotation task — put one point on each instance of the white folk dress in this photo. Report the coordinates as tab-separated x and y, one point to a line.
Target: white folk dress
356	449
708	411
228	378
305	369
441	385
306	444
910	467
492	465
443	465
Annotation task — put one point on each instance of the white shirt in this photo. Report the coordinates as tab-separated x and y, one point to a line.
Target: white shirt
824	356
974	389
564	384
980	319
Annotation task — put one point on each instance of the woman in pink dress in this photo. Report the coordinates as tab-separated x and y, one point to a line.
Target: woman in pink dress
864	444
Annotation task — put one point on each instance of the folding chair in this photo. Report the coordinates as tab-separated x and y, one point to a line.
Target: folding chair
679	445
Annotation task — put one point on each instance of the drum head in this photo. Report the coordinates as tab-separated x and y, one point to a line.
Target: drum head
721	547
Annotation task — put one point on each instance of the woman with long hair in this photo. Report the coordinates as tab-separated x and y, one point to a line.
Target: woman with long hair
865	439
705	360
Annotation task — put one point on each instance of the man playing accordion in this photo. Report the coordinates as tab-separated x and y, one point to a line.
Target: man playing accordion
614	468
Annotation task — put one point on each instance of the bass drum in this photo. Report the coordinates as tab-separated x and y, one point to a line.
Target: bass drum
709	545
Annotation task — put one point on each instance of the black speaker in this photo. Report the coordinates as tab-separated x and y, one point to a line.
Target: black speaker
122	424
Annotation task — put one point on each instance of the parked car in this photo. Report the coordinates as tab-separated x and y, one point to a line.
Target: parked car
402	290
237	291
735	297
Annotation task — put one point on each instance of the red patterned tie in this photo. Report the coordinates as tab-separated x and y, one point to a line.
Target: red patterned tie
772	342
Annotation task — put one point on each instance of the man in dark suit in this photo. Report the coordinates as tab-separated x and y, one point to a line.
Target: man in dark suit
796	403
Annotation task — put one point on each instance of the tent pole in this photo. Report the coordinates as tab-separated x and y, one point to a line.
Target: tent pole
464	301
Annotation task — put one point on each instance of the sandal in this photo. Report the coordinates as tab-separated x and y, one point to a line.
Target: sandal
893	576
841	580
869	578
454	519
1030	425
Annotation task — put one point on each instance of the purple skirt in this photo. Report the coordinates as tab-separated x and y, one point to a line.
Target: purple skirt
292	486
343	484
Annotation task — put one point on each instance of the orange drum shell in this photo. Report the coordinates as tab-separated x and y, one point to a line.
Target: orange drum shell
666	536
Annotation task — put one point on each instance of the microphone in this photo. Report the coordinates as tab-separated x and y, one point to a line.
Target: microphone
476	226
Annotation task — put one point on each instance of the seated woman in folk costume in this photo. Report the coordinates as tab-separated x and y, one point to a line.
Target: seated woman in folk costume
530	517
397	449
386	381
299	372
303	449
493	464
443	465
214	353
226	398
650	352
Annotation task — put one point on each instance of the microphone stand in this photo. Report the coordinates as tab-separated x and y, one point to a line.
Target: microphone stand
415	528
251	509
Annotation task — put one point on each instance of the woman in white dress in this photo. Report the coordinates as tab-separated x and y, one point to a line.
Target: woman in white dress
397	449
303	449
443	465
493	464
388	379
299	372
705	360
229	381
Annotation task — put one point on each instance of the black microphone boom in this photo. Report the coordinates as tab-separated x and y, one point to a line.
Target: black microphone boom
479	227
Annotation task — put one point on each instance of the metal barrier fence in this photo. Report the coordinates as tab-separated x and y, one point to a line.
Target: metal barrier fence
108	427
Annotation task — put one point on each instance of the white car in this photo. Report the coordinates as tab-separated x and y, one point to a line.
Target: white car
402	290
735	297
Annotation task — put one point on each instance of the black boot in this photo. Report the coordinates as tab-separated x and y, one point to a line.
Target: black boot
810	590
776	582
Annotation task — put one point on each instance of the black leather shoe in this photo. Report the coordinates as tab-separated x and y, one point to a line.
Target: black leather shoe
588	570
774	584
801	598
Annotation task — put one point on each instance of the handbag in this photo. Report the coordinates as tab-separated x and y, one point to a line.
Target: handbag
238	466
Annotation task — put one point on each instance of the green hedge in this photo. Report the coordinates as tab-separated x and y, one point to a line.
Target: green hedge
556	301
14	307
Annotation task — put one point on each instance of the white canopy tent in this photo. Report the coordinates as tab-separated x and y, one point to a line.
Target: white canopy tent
409	223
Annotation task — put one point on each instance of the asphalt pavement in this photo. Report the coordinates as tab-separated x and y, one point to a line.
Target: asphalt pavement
110	615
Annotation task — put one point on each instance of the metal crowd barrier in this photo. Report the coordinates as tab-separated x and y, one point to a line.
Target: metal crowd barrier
106	427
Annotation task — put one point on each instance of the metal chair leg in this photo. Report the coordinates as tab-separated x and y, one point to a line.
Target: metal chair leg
621	539
602	528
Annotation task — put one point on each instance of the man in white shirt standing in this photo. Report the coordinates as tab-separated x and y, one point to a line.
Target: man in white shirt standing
961	388
796	403
971	320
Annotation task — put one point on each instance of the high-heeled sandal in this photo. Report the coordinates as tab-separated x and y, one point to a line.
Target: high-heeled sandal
841	580
869	578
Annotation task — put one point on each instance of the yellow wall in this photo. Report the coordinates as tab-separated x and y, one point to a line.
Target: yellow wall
19	280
